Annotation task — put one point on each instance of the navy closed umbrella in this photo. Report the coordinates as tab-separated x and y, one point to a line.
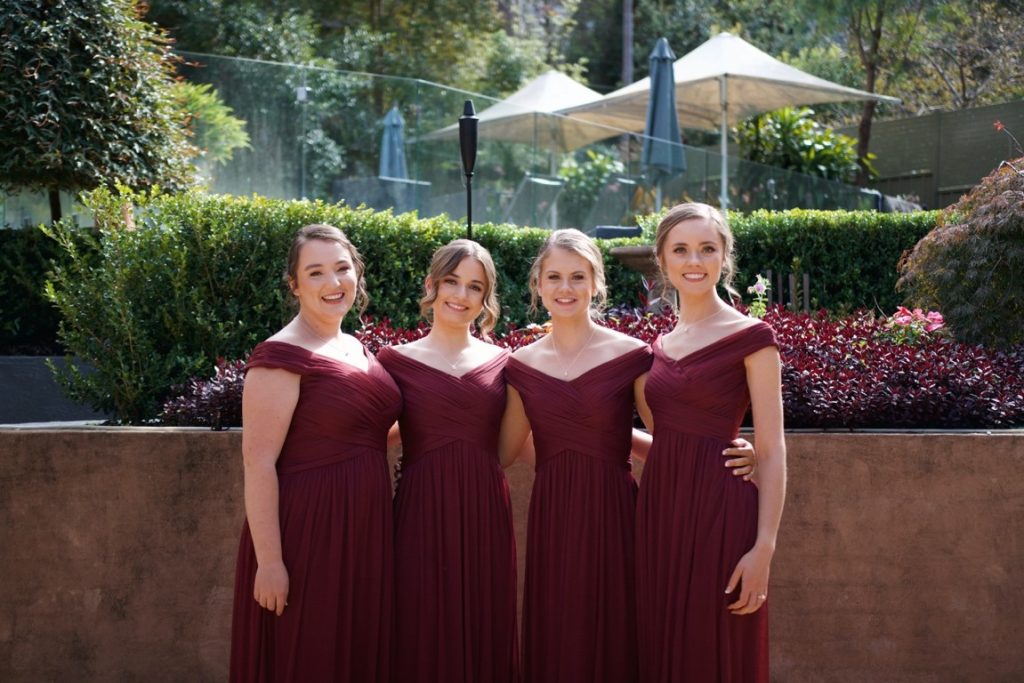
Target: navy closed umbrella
662	153
392	146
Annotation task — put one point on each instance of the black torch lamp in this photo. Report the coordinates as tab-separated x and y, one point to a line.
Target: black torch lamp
467	145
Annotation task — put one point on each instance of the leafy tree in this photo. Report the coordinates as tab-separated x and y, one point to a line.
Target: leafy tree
881	34
238	29
971	56
87	93
215	132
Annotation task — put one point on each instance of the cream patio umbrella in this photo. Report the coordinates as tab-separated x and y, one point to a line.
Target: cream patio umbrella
718	84
529	116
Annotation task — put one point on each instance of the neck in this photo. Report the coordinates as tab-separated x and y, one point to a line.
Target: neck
450	337
694	309
322	327
571	332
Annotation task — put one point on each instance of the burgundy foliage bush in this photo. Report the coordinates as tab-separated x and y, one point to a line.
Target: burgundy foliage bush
841	373
215	402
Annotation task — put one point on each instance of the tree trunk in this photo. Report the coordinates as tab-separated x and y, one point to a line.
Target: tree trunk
627	42
863	142
55	214
871	58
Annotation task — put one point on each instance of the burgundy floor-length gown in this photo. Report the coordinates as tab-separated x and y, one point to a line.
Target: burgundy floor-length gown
579	607
455	551
336	530
695	520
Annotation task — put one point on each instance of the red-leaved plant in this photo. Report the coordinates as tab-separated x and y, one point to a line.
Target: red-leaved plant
836	373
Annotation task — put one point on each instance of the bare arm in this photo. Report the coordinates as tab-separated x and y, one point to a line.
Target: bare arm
515	428
641	402
394	436
268	401
751	573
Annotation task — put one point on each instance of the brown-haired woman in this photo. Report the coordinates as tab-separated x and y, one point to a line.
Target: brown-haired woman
313	583
705	540
455	571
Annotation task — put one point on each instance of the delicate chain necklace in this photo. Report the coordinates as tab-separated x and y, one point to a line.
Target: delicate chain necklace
558	354
328	341
458	357
685	328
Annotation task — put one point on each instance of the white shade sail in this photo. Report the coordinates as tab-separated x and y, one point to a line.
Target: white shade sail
755	81
529	116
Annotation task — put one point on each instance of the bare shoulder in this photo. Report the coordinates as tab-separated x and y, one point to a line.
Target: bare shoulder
528	354
412	349
617	343
486	350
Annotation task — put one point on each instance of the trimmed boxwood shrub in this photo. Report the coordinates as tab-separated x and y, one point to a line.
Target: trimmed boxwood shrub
836	373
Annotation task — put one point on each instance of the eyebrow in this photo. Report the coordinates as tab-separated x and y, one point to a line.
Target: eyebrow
472	282
711	242
311	266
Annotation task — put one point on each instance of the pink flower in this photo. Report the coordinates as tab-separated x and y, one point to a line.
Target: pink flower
998	125
935	321
902	316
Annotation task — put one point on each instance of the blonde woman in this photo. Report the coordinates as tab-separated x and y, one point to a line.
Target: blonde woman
705	540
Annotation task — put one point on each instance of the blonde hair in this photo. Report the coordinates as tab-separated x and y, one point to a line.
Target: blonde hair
573	241
326	233
689	211
444	262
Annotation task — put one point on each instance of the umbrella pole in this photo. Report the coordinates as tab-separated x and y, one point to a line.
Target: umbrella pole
723	97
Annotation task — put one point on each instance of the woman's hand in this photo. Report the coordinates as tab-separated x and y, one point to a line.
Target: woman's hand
751	576
271	586
743	459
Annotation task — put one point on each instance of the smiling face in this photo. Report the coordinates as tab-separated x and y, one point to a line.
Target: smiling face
566	283
692	256
325	280
460	294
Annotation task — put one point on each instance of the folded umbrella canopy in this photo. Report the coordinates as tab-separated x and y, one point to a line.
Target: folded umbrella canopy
392	146
662	151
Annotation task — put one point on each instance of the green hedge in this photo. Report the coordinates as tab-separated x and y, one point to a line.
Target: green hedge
850	257
200	277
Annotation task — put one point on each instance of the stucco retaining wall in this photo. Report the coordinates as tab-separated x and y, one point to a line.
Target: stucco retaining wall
901	556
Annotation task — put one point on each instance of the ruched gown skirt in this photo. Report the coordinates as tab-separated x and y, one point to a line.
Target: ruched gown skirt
579	604
336	530
455	553
695	520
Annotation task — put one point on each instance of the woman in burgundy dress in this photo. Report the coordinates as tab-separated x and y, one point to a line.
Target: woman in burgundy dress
313	583
455	571
705	540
